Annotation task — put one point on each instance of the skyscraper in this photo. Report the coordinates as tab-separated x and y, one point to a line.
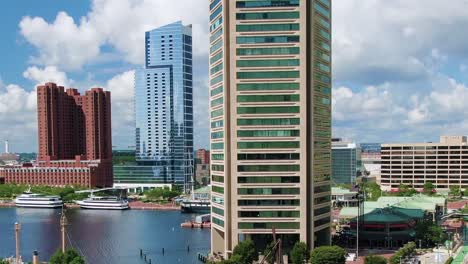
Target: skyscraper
75	141
270	104
163	105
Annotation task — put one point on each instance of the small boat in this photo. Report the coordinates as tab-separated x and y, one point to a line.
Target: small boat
103	203
34	200
195	206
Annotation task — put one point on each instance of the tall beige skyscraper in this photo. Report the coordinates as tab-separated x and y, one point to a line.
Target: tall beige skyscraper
270	107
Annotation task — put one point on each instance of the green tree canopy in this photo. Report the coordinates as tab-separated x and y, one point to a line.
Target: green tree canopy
328	255
455	191
244	252
372	190
428	188
69	257
299	254
430	233
405	190
373	259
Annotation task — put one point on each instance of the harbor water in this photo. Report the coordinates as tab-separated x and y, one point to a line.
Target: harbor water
105	236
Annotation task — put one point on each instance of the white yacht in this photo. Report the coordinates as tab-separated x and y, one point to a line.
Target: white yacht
28	199
103	203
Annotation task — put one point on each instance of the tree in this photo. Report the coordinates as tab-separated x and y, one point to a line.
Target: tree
430	233
407	250
299	253
405	190
372	190
69	257
270	252
455	191
373	259
328	255
245	252
4	261
428	188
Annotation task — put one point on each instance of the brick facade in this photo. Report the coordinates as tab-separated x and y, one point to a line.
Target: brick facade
75	140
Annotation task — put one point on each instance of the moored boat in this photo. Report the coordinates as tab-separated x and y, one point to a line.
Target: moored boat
103	203
34	200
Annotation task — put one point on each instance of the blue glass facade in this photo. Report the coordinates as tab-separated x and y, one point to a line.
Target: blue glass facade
163	105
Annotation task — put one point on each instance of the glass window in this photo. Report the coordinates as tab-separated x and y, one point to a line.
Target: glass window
217	145
267	15
323	11
267	86
216	24
268	133
268	122
267	191
216	135
267	39
263	225
267	51
268	179
217	156
270	3
216	57
268	75
217	178
255	168
216	79
268	98
217	124
218	221
217	167
217	189
267	63
268	110
267	214
294	202
216	68
216	91
267	27
216	46
217	113
214	36
217	101
258	145
213	4
216	12
217	210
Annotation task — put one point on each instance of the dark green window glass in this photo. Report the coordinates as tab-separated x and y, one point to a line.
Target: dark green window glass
323	22
265	3
217	124
217	178
267	63
324	34
216	91
267	39
268	202
268	122
267	27
323	188
247	168
217	200
268	214
268	98
322	55
217	210
323	11
323	78
322	66
217	101
267	15
218	221
325	3
217	156
217	189
322	221
267	86
324	199
216	68
268	179
268	75
257	145
263	225
216	24
268	133
267	191
268	110
217	145
216	57
268	156
323	210
217	113
324	45
216	79
267	51
217	167
216	135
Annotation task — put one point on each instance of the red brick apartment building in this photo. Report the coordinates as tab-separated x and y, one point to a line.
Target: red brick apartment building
75	141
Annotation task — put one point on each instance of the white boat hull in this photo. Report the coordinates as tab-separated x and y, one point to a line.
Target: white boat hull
102	206
38	205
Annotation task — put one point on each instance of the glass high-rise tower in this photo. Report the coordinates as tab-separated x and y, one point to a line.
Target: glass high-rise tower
270	107
163	105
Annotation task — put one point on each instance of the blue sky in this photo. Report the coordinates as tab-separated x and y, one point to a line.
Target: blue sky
400	69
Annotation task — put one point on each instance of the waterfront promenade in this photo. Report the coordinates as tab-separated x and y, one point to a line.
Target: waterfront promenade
136	205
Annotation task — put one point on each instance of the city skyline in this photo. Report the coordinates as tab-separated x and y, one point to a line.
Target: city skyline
411	90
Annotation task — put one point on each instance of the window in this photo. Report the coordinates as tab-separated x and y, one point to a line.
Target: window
216	57
218	221
253	168
267	27
266	122
257	145
267	86
267	15
217	156
267	39
217	189
268	202
268	214
267	191
268	133
270	3
281	179
323	11
217	210
268	98
217	113
267	51
263	225
268	75
267	63
216	91
268	110
217	101
216	13
217	135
